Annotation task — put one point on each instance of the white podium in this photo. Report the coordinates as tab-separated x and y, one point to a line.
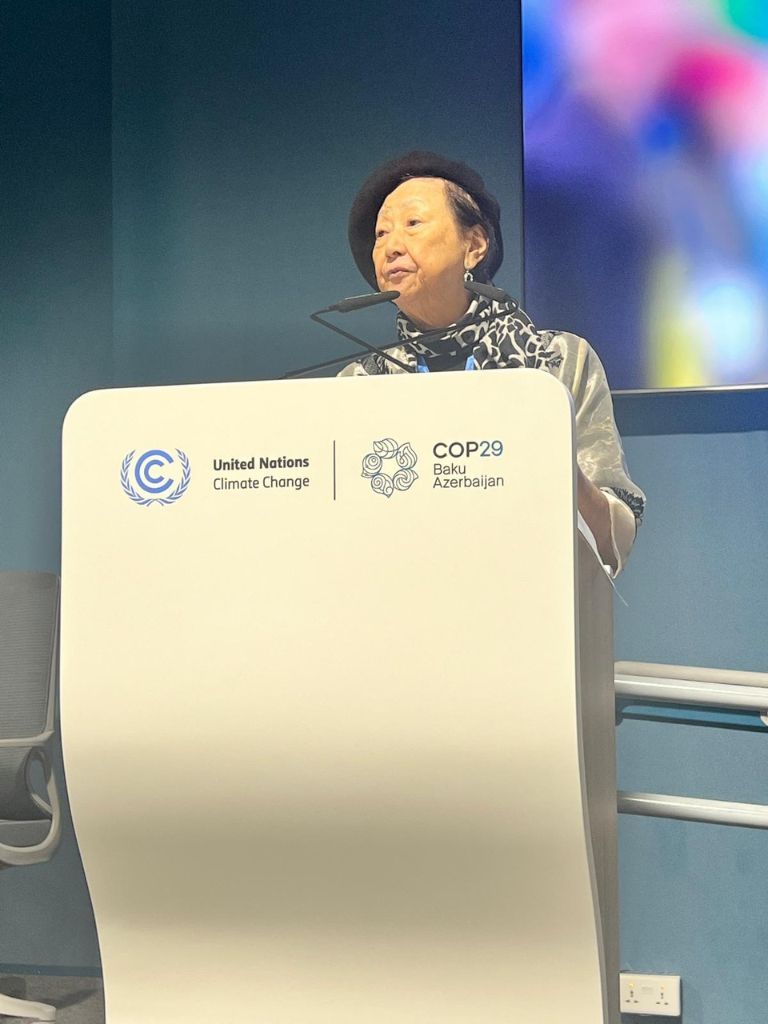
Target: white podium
337	703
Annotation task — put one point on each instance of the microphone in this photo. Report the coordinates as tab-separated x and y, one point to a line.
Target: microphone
360	302
490	291
347	306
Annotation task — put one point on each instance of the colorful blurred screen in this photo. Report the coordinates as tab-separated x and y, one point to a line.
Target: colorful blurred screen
646	184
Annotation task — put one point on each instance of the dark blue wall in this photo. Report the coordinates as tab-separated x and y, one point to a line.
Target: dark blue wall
56	342
241	134
56	315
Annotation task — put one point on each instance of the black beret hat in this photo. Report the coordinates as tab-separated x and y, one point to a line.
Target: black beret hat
419	164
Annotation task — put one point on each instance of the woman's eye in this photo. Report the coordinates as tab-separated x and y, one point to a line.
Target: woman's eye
413	221
380	232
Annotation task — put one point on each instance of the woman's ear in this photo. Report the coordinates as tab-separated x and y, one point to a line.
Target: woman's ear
476	247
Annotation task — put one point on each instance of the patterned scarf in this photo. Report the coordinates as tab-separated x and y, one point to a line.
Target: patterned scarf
498	336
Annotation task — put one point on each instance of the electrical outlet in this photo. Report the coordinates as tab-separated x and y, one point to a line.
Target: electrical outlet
657	994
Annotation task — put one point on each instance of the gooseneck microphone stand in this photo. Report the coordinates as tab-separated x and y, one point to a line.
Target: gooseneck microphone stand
488	291
347	306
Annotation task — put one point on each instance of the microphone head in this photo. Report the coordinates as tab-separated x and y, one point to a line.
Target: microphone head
363	301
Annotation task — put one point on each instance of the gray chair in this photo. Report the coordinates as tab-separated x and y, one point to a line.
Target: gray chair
30	823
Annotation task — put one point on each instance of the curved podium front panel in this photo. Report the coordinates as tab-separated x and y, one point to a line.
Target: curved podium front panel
321	703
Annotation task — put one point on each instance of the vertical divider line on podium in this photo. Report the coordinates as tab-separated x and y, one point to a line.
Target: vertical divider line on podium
334	702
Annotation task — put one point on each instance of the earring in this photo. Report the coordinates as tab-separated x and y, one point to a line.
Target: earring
468	275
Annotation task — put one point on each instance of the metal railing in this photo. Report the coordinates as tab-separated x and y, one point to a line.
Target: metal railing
693	687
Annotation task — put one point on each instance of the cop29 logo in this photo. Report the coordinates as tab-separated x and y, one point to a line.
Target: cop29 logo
155	477
389	467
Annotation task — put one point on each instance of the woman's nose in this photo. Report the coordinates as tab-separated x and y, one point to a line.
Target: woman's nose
394	245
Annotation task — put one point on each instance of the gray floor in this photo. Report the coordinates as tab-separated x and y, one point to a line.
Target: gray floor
77	1000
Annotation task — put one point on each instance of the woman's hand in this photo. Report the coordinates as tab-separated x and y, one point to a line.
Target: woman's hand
594	507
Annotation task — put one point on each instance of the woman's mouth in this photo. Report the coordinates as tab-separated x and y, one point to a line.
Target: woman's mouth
396	276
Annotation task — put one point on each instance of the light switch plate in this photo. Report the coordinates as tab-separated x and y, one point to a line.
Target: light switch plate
657	994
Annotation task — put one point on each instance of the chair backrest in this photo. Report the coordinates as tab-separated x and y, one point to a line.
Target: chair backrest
29	606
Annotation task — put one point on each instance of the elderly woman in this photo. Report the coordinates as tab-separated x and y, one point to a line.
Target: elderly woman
423	225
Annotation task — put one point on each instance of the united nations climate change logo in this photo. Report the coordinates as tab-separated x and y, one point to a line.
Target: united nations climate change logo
389	467
150	480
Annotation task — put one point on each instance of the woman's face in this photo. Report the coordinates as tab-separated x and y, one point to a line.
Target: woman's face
421	251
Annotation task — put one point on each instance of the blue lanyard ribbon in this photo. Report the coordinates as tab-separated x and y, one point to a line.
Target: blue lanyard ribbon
421	364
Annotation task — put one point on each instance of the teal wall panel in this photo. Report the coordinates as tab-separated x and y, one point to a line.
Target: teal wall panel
692	895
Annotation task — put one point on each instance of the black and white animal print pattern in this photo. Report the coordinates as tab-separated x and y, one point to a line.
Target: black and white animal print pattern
497	335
